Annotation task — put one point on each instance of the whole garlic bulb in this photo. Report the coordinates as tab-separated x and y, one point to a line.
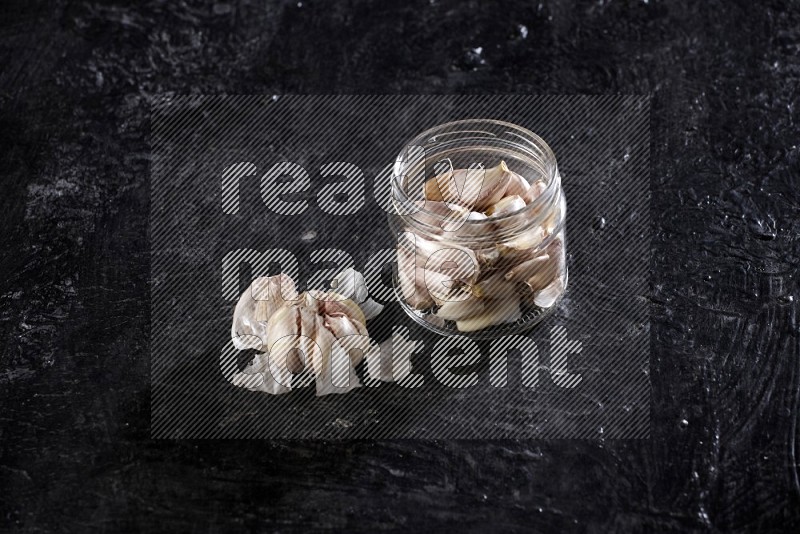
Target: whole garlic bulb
323	332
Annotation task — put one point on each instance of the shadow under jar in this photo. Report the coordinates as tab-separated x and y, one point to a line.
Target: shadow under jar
479	216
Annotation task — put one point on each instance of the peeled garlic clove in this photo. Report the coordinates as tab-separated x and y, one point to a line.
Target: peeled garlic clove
414	294
455	310
496	312
351	284
505	206
474	189
540	279
546	297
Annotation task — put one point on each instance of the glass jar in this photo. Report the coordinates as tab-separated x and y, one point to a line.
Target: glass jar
479	216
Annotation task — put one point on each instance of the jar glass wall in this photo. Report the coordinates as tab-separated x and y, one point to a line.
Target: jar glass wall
479	215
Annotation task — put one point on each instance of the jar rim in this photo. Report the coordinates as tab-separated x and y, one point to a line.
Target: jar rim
550	195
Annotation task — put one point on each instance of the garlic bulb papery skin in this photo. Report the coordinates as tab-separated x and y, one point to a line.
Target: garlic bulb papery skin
256	305
482	249
351	284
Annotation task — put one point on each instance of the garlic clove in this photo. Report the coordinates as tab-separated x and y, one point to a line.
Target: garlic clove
255	306
439	285
475	189
505	206
517	185
554	268
256	378
455	310
477	216
333	368
306	343
547	296
350	334
535	191
341	326
528	240
496	312
272	292
527	269
460	263
284	322
495	287
412	281
433	212
284	327
332	303
487	257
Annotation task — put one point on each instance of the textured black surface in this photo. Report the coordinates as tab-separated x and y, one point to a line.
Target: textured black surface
75	81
